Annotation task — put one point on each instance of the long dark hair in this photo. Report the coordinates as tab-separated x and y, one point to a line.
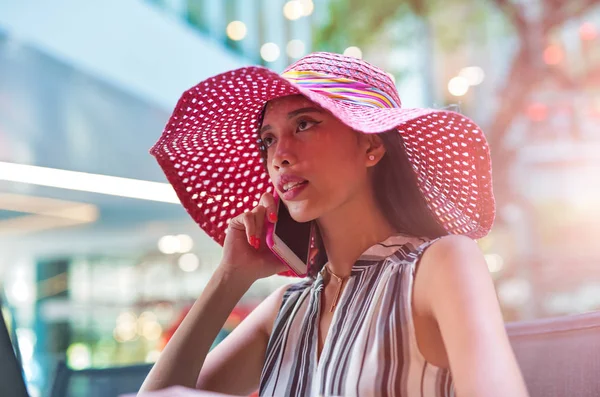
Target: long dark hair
397	191
398	195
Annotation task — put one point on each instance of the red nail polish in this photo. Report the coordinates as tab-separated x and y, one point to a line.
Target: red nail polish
272	217
257	243
252	241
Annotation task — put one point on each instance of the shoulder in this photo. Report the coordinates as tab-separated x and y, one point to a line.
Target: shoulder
450	265
450	249
458	300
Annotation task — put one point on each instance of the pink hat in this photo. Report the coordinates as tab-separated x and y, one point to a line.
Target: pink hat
209	149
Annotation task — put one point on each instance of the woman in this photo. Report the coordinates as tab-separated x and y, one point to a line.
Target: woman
402	303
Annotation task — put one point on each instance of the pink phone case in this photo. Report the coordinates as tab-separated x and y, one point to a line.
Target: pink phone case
270	242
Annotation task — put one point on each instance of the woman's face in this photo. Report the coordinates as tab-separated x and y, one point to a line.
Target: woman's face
316	162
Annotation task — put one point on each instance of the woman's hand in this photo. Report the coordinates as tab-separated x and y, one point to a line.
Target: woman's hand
245	253
182	360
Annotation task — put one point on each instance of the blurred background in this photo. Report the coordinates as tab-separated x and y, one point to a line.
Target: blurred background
99	262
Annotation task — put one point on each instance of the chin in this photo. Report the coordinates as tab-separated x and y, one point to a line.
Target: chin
302	211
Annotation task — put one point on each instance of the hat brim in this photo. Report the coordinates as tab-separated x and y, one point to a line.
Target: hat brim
209	151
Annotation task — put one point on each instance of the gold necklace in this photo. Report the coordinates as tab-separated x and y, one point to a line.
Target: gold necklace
339	290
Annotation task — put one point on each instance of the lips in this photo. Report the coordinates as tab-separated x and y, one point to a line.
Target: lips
291	185
288	184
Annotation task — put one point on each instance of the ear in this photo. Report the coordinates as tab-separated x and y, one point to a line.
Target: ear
374	149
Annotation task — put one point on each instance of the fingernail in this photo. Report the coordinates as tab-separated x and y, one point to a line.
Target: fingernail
257	243
272	217
252	241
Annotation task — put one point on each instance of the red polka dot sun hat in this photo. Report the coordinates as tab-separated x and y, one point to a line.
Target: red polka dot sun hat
209	149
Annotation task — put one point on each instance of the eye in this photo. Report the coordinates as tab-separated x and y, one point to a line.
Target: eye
268	140
305	124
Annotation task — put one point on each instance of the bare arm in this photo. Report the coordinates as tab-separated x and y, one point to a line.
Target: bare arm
457	291
235	365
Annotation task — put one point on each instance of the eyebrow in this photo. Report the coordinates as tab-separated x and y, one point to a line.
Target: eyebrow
293	114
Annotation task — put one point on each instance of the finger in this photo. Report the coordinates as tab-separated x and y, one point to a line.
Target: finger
259	221
268	201
237	223
249	224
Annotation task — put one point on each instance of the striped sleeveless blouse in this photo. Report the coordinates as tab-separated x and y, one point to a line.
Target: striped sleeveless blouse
370	348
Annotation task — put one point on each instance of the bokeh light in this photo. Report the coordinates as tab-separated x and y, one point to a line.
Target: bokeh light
269	52
458	86
79	356
185	243
494	262
307	7
126	317
181	243
353	52
293	10
20	292
474	75
147	316
236	30
151	330
188	262
168	244
126	328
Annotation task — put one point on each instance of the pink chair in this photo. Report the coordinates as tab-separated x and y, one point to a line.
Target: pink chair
559	357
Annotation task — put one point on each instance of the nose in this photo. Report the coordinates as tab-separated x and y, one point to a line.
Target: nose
284	154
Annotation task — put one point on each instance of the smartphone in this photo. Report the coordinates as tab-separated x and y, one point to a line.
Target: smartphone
292	242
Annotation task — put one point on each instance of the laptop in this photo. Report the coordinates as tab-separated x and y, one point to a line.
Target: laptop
12	383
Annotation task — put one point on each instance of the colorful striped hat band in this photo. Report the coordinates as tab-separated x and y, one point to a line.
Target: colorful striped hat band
341	89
